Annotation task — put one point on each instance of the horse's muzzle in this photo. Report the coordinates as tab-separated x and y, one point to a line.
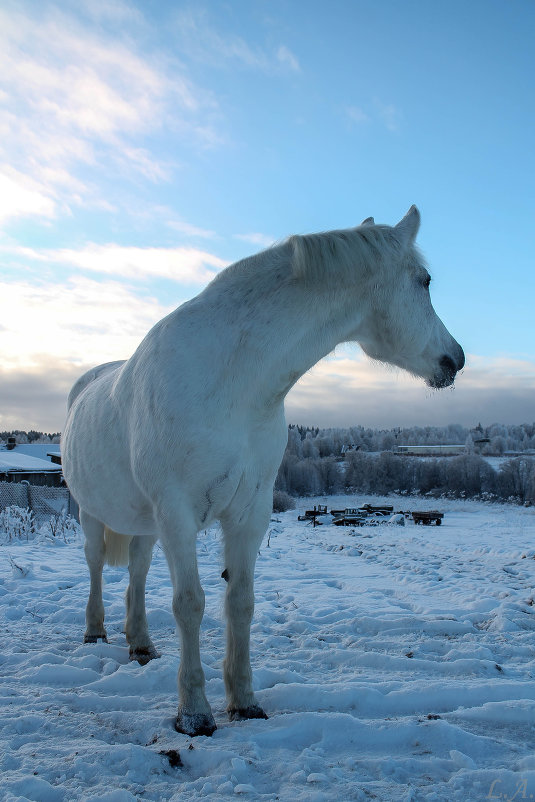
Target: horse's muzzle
449	366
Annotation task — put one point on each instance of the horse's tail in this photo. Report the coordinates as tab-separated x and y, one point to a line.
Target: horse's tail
116	547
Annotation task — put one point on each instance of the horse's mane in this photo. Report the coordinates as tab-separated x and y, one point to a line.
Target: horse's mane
315	257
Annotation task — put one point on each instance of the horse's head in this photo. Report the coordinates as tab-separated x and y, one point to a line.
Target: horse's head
401	326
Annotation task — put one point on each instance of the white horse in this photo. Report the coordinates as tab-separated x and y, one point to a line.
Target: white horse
191	428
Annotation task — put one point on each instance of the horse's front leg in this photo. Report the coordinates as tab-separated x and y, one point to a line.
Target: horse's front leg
141	646
94	549
179	544
242	541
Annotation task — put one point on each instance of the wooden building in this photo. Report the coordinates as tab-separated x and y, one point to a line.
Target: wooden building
431	451
17	467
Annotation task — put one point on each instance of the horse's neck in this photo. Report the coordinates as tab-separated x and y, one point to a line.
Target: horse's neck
312	327
279	330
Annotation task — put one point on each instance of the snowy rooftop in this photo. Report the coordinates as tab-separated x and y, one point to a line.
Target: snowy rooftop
39	450
15	461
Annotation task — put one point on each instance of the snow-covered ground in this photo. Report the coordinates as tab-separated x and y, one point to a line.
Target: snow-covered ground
395	663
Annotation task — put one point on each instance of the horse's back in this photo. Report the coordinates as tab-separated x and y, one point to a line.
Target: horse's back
89	377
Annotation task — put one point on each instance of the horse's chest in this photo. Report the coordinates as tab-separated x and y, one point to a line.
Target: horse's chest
238	479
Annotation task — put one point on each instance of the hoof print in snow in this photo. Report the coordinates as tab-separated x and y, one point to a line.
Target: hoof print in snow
143	656
173	756
194	724
243	713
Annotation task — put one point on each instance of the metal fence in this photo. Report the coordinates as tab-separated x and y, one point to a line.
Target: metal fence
43	501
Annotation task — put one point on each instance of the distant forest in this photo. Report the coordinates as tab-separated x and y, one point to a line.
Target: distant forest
29	437
359	460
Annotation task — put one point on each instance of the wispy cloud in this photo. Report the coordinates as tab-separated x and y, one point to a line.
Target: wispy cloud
202	40
386	114
115	11
80	321
188	229
76	95
20	196
255	238
389	114
500	372
185	265
288	59
357	115
140	160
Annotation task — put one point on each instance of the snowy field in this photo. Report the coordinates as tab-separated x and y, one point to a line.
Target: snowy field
395	663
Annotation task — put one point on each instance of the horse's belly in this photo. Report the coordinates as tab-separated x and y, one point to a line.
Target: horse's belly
112	497
96	466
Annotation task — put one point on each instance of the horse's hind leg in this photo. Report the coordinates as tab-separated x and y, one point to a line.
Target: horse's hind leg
94	553
137	632
242	541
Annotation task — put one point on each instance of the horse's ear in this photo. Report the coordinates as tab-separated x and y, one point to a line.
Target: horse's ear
368	222
407	228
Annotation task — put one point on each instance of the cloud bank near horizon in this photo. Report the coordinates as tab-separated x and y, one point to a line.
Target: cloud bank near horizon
341	391
347	391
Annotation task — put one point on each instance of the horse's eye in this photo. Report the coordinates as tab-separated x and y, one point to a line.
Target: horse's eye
427	281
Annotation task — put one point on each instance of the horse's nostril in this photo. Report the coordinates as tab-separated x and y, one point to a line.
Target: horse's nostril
448	365
460	361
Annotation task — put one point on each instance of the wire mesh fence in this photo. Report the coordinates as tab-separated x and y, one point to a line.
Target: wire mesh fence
43	501
13	494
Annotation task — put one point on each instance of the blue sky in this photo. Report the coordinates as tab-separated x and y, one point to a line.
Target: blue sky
144	146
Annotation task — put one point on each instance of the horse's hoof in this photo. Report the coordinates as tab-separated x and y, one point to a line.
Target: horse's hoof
242	713
193	724
95	638
144	656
